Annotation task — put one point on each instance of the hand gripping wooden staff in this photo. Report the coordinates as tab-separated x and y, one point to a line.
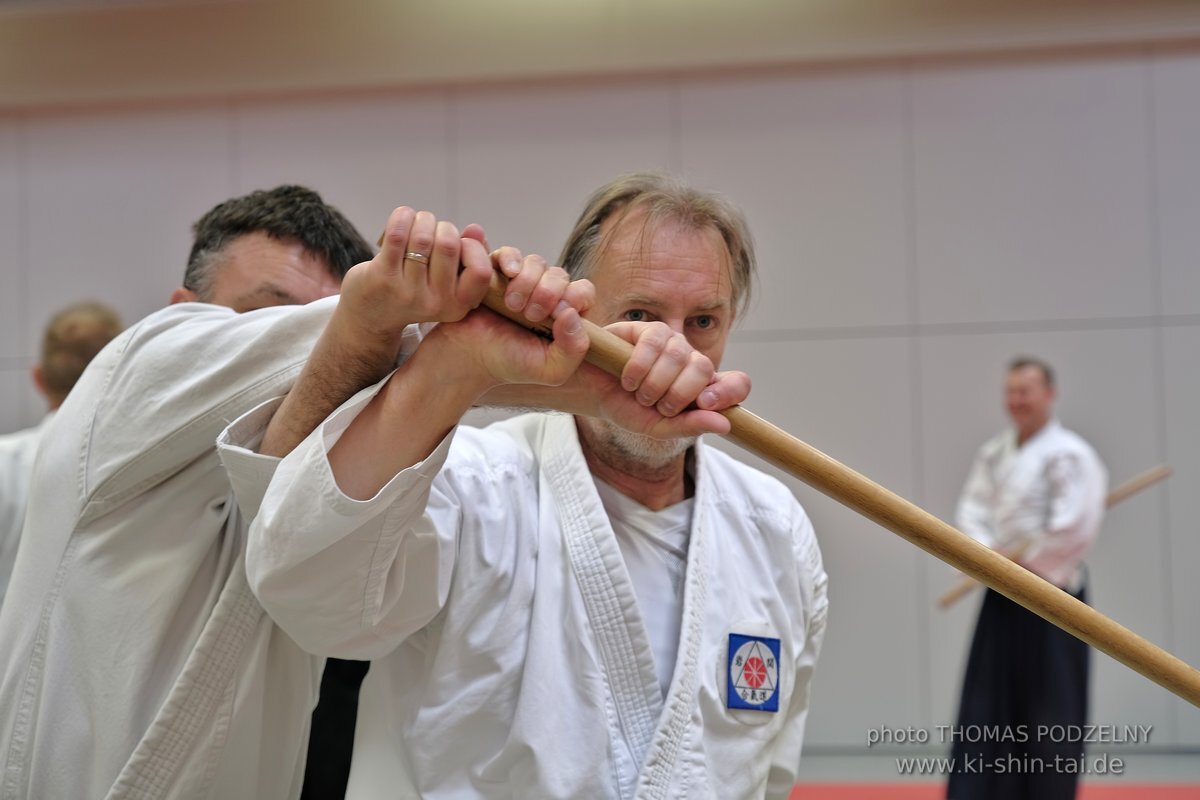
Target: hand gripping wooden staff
860	494
1123	492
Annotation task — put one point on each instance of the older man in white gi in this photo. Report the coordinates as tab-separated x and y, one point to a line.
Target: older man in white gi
1036	489
71	339
558	608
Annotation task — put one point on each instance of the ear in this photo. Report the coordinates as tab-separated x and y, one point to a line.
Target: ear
182	295
39	381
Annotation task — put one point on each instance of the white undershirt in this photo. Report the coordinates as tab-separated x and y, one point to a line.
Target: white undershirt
654	545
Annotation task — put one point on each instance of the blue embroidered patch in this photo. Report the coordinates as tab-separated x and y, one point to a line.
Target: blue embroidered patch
752	673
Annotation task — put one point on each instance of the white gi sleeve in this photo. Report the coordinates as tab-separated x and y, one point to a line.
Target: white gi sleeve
249	471
974	514
347	578
814	584
182	375
1072	520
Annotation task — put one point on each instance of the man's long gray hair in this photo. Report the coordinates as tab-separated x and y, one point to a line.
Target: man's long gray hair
663	199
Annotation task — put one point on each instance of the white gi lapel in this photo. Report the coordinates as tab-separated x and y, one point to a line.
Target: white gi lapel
607	590
676	722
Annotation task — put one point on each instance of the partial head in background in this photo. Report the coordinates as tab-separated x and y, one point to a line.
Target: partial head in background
281	246
71	340
657	249
1029	395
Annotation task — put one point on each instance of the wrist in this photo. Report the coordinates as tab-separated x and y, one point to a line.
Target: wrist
447	374
365	349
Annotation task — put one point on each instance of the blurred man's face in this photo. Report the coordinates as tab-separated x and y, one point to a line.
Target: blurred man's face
259	271
1028	400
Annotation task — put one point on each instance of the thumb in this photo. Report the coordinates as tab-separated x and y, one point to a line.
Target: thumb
565	353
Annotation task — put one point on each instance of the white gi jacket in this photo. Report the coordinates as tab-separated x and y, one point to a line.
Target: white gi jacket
1050	492
17	451
137	664
510	656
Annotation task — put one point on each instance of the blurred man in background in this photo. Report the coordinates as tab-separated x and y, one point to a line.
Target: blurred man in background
1036	493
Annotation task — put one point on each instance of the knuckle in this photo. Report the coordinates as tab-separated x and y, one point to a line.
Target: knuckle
678	350
446	247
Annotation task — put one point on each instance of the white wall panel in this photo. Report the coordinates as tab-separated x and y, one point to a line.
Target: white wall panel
12	271
1176	91
1182	383
1113	407
365	153
528	157
816	161
851	399
1031	190
112	196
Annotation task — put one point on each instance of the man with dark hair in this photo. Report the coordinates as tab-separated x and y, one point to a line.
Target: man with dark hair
286	214
1035	492
230	264
72	338
136	662
555	606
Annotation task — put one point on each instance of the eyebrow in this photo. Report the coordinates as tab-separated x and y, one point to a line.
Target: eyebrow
268	291
641	300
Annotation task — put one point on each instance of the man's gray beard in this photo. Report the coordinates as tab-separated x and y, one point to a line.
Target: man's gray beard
637	447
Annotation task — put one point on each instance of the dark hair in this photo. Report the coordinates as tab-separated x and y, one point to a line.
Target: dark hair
286	213
72	339
1020	362
664	199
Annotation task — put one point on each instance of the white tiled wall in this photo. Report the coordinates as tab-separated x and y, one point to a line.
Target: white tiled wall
110	200
366	153
1182	390
1031	186
12	238
1175	94
527	158
817	162
918	224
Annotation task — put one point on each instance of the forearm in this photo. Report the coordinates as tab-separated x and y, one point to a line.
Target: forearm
421	402
342	362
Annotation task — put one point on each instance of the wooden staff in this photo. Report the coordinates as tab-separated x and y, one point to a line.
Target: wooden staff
1123	492
860	494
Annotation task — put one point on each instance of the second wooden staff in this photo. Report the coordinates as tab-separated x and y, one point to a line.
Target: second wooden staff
1123	492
